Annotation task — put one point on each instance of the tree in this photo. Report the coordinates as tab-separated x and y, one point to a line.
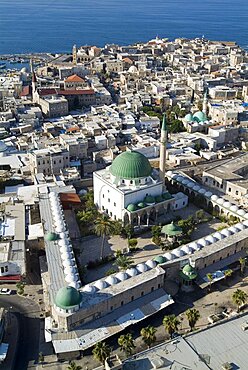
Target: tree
171	323
148	335
228	273
127	231
123	262
41	357
239	298
103	228
210	279
126	343
101	351
199	215
132	243
20	288
242	265
74	366
188	225
193	316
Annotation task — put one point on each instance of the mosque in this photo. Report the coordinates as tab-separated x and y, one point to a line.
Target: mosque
132	191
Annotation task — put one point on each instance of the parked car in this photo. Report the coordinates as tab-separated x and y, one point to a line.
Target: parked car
5	291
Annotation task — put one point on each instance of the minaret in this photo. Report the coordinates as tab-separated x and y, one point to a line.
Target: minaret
163	142
74	54
205	103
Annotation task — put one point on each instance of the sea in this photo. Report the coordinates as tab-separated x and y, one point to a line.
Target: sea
32	26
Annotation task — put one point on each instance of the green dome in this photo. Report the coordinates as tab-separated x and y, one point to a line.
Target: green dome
149	199
200	117
188	273
166	196
67	297
141	205
51	237
171	229
159	259
131	165
159	199
131	207
189	117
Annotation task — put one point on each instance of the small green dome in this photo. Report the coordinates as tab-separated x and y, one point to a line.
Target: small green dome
131	165
141	205
51	237
67	297
200	117
166	196
159	199
131	207
188	273
171	229
189	117
159	259
149	199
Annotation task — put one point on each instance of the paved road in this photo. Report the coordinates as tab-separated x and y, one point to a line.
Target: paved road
28	315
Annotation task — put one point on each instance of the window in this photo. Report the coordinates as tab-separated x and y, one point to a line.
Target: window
131	182
114	204
229	189
103	208
142	293
111	308
158	285
152	288
111	214
103	195
132	298
214	182
237	193
6	269
122	303
109	200
2	270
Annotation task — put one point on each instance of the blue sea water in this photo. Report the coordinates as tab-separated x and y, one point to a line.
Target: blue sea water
55	25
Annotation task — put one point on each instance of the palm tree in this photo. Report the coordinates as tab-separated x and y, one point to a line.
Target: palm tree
193	316
148	335
239	297
228	273
123	262
101	352
126	343
242	265
74	366
210	279
103	227
171	323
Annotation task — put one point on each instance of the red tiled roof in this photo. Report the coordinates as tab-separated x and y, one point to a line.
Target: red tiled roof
26	90
73	129
44	92
69	198
74	78
76	92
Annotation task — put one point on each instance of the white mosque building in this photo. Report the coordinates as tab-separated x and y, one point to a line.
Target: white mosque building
132	191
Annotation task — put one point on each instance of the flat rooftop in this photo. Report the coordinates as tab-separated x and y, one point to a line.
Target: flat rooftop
211	348
230	168
94	331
